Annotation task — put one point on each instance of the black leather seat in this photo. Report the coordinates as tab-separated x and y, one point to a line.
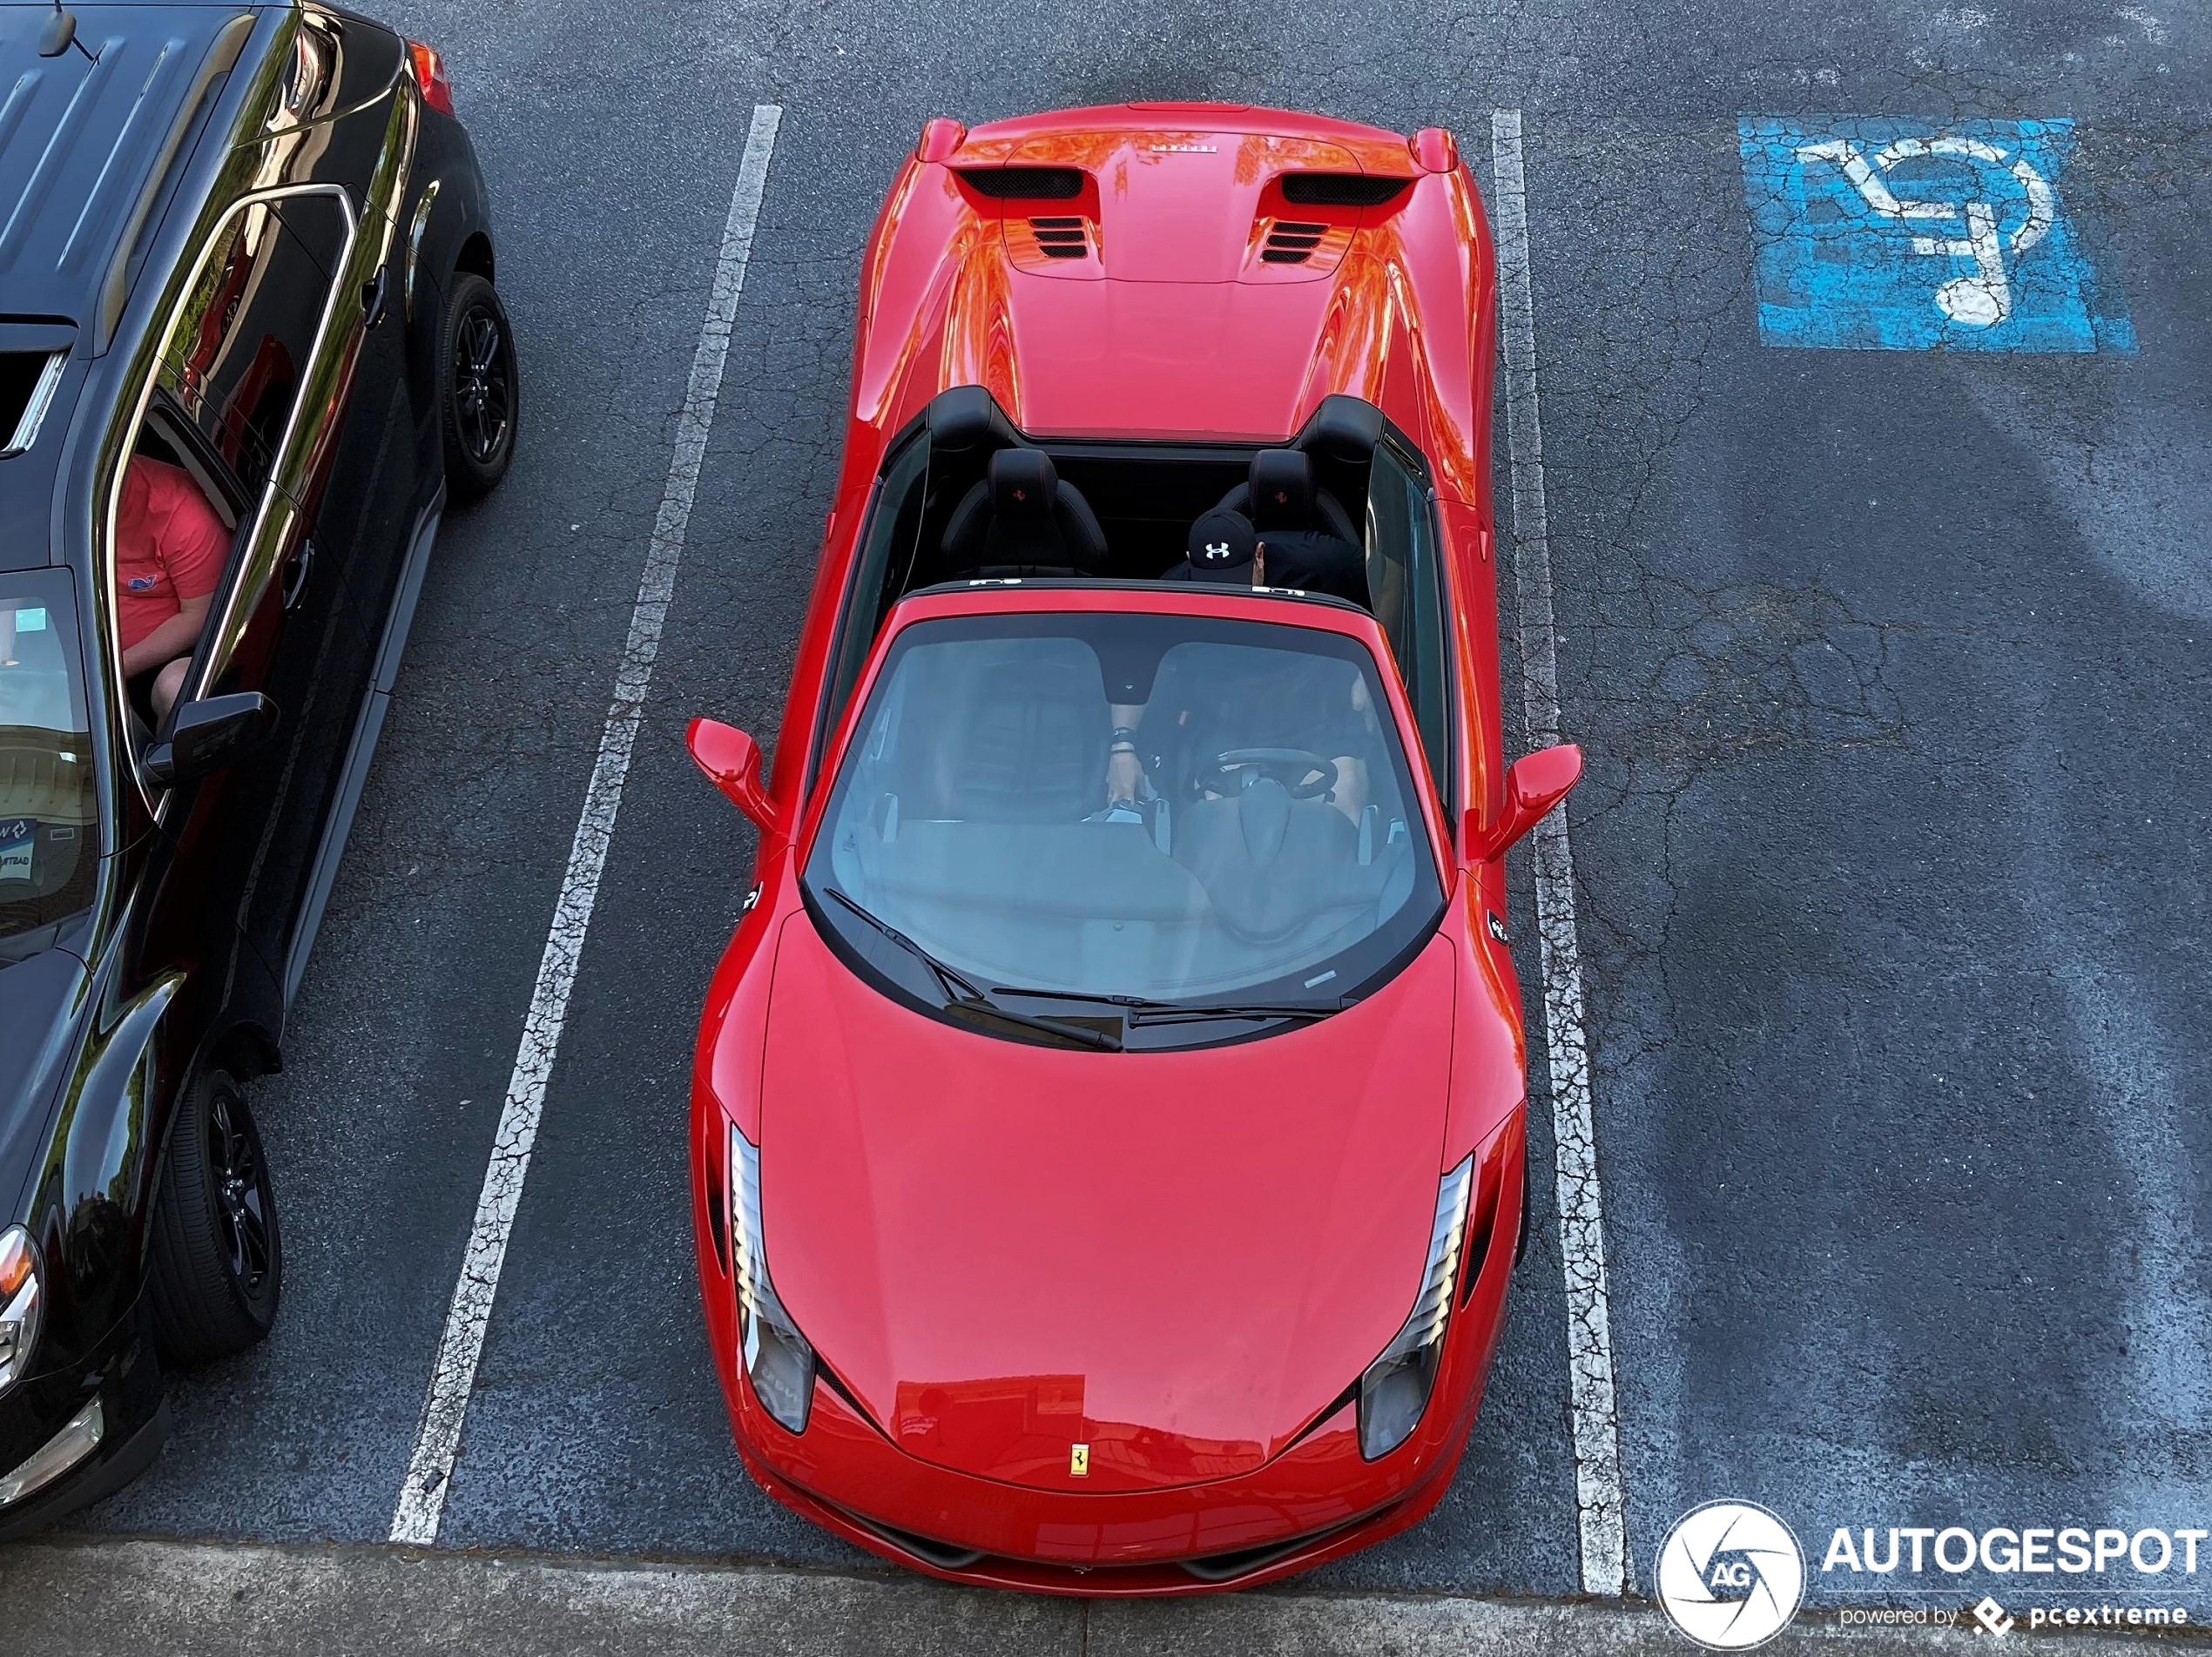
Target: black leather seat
1280	495
1021	519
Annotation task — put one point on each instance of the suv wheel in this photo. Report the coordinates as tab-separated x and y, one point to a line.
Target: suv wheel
218	1265
478	401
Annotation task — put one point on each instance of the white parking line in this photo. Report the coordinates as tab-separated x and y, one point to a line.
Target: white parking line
1582	1208
437	1439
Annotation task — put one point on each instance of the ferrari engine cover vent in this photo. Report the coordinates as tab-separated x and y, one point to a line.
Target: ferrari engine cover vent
1060	238
1025	184
1291	243
1340	189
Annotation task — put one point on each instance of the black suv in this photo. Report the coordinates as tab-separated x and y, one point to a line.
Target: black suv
248	341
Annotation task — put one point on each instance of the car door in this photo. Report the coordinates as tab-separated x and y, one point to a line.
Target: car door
250	366
342	122
356	471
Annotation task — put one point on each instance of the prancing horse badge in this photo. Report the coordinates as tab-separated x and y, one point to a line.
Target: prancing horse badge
1079	1460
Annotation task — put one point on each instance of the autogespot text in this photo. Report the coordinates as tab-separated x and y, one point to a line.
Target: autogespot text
2074	1550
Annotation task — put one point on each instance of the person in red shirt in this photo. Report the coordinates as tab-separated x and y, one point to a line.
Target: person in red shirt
169	552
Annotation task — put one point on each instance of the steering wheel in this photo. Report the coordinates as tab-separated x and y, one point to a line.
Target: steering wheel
1306	776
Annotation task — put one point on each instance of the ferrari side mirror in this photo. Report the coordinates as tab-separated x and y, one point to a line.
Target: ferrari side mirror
732	762
1535	784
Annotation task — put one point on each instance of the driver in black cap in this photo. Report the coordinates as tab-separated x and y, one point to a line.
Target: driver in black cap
1224	547
1298	711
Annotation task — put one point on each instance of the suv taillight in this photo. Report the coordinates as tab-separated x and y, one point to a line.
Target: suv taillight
430	75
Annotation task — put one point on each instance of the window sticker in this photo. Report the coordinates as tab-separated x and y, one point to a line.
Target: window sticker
31	621
18	839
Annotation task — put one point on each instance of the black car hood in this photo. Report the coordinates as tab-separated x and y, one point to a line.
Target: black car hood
42	1004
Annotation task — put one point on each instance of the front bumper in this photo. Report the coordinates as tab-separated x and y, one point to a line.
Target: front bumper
1317	1501
123	1375
1293	1514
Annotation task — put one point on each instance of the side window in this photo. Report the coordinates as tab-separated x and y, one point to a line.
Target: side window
182	533
1405	579
247	335
881	566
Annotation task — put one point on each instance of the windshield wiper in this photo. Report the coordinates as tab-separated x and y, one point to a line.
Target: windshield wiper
1175	1013
1137	1009
962	996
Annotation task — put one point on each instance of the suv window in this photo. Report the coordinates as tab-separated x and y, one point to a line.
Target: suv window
246	334
225	389
49	850
1405	580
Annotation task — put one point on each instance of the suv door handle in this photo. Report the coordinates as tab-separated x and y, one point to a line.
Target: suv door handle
375	293
296	573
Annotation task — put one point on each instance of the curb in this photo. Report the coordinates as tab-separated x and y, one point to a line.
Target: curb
70	1595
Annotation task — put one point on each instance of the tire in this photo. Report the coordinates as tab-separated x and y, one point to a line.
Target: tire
217	1271
479	400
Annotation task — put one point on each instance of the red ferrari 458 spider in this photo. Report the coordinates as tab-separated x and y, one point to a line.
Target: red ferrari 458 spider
1107	1126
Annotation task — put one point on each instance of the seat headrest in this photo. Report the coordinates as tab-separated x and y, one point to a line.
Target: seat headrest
1023	484
1221	542
1282	483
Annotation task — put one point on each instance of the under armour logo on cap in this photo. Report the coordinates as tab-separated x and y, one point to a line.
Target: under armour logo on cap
1221	540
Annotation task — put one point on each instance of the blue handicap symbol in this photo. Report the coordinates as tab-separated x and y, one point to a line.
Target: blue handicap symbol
1902	236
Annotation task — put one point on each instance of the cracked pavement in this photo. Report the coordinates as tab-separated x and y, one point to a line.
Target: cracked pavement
1891	866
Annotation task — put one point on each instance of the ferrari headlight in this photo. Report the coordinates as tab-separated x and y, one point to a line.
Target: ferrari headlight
776	1357
19	1304
1395	1389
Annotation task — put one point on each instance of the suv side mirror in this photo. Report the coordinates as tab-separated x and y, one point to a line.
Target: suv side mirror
1535	784
207	735
732	762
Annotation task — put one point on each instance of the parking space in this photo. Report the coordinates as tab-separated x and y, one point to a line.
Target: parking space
1891	880
1891	891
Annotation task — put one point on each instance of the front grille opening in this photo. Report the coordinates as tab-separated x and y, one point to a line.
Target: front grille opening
1290	243
1340	189
1060	238
1027	184
27	382
1225	1567
943	1555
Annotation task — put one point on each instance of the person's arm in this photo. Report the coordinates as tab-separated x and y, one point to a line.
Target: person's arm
1124	770
173	638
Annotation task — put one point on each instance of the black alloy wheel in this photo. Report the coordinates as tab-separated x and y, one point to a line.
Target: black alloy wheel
218	1267
482	393
244	1208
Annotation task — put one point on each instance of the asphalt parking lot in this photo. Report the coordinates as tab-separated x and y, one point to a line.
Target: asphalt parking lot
1891	872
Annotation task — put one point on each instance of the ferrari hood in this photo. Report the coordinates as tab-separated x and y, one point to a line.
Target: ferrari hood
1177	1259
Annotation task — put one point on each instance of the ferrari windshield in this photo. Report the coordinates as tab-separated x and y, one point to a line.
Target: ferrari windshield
1167	809
48	838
